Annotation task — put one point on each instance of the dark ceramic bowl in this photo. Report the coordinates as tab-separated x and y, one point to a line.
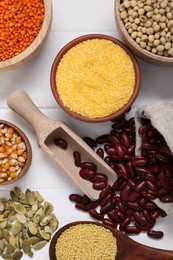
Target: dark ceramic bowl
84	118
28	150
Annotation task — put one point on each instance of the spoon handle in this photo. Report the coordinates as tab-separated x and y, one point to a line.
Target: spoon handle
22	104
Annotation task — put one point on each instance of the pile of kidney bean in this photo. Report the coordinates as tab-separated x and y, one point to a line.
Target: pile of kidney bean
128	204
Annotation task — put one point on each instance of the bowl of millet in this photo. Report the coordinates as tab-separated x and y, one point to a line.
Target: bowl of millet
146	27
15	153
24	26
95	78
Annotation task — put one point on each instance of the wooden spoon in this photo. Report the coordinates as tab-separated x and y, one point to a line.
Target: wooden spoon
127	248
47	130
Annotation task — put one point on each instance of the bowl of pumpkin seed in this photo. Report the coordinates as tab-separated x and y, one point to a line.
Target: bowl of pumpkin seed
27	223
147	29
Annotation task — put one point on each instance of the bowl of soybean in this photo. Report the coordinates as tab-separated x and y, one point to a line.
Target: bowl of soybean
26	26
147	29
95	78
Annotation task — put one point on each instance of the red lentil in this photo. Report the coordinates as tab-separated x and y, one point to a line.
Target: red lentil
20	22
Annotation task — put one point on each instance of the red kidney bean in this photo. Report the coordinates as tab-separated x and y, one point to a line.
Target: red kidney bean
132	230
162	157
125	193
147	215
128	129
164	191
120	150
140	185
100	152
77	158
152	132
81	207
148	226
153	192
105	192
90	141
122	185
166	198
109	223
93	213
102	139
131	169
120	214
107	159
106	208
149	146
167	170
129	212
143	170
105	200
151	177
152	186
85	200
142	202
166	150
163	180
61	143
113	199
93	204
113	139
139	217
75	198
131	149
134	196
114	166
114	187
139	161
88	165
131	183
147	195
110	150
155	168
99	185
150	206
134	205
156	213
100	177
124	169
156	140
120	204
155	234
119	124
124	223
114	133
114	217
86	174
125	139
144	128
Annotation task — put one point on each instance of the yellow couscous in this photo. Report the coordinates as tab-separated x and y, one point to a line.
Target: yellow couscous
95	78
86	242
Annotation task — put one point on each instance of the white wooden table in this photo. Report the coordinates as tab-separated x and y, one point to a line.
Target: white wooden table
73	18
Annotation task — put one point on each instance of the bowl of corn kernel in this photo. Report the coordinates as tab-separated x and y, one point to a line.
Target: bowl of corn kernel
24	27
15	153
95	78
146	27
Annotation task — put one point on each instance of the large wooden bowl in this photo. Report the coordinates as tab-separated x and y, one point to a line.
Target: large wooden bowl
70	45
28	150
142	53
32	50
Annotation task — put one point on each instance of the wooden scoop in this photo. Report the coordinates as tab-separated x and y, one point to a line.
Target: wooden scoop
127	248
47	130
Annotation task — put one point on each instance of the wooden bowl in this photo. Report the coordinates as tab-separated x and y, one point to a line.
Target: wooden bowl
142	53
28	150
79	116
32	50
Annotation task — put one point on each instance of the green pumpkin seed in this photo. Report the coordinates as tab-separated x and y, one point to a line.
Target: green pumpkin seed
9	249
30	197
37	219
45	235
15	230
47	229
17	255
38	196
40	245
33	228
19	208
14	197
2	207
2	245
3	224
26	247
12	241
54	225
33	240
6	256
48	208
17	191
21	218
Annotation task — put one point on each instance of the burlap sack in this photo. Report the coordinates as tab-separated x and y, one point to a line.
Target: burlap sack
161	115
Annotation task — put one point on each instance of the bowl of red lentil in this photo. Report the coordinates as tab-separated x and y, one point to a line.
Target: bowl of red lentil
146	27
15	153
24	27
95	78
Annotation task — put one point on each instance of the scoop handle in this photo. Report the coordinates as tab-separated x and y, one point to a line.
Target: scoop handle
21	103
